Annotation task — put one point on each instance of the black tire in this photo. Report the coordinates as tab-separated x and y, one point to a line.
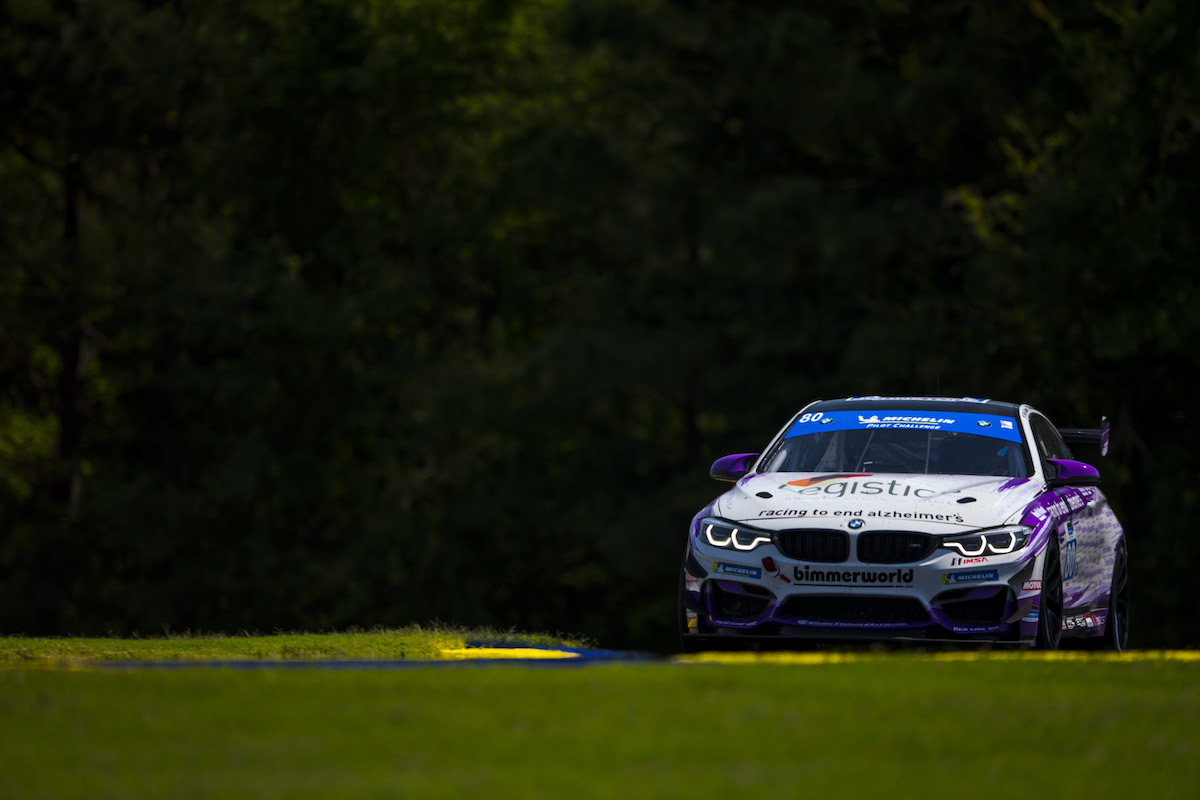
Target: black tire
1049	629
1116	628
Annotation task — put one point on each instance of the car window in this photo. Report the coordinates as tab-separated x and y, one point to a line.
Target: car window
1049	442
899	451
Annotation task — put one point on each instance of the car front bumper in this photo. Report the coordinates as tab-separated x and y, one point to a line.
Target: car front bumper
763	594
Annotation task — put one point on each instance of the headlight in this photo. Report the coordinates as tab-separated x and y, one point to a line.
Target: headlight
991	542
731	535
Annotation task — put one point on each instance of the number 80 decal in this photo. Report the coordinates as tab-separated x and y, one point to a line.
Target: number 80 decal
1069	553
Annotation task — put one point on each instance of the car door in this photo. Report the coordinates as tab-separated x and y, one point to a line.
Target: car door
1079	523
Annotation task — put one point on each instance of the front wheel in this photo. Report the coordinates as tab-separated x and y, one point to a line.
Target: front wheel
686	643
1049	629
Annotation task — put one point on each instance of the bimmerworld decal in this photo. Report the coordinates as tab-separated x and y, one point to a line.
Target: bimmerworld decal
807	576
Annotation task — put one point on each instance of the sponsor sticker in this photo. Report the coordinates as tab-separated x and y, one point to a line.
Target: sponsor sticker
974	628
825	479
1032	616
903	420
1034	585
783	512
844	486
807	576
990	425
773	571
1070	550
725	568
971	576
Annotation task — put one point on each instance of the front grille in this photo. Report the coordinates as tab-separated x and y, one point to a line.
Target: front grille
895	547
841	609
827	547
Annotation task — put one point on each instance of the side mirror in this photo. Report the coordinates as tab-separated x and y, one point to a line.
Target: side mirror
1072	473
730	468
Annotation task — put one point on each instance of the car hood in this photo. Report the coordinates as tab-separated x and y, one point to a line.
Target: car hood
933	503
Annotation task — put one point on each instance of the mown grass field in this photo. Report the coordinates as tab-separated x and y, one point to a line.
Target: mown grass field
416	643
908	724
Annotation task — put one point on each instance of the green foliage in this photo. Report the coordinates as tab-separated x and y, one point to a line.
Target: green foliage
326	314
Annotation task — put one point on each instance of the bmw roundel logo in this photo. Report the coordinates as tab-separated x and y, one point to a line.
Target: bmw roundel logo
826	420
983	423
855	524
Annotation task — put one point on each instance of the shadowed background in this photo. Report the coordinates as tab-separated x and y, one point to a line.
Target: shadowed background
327	314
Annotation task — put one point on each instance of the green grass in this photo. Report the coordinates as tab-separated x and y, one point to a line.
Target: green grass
883	726
413	642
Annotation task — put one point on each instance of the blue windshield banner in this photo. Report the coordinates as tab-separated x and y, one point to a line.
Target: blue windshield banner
990	425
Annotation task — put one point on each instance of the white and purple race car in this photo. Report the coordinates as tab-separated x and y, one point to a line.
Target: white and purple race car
893	518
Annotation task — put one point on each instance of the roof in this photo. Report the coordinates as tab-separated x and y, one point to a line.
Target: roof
962	405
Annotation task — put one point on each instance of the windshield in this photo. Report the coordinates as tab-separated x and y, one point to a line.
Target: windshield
892	442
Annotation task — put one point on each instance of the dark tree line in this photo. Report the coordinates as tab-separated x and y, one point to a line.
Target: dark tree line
326	314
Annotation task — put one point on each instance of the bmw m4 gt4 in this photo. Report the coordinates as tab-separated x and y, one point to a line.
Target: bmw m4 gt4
880	518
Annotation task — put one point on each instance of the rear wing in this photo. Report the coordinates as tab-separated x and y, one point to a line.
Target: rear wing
1088	435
